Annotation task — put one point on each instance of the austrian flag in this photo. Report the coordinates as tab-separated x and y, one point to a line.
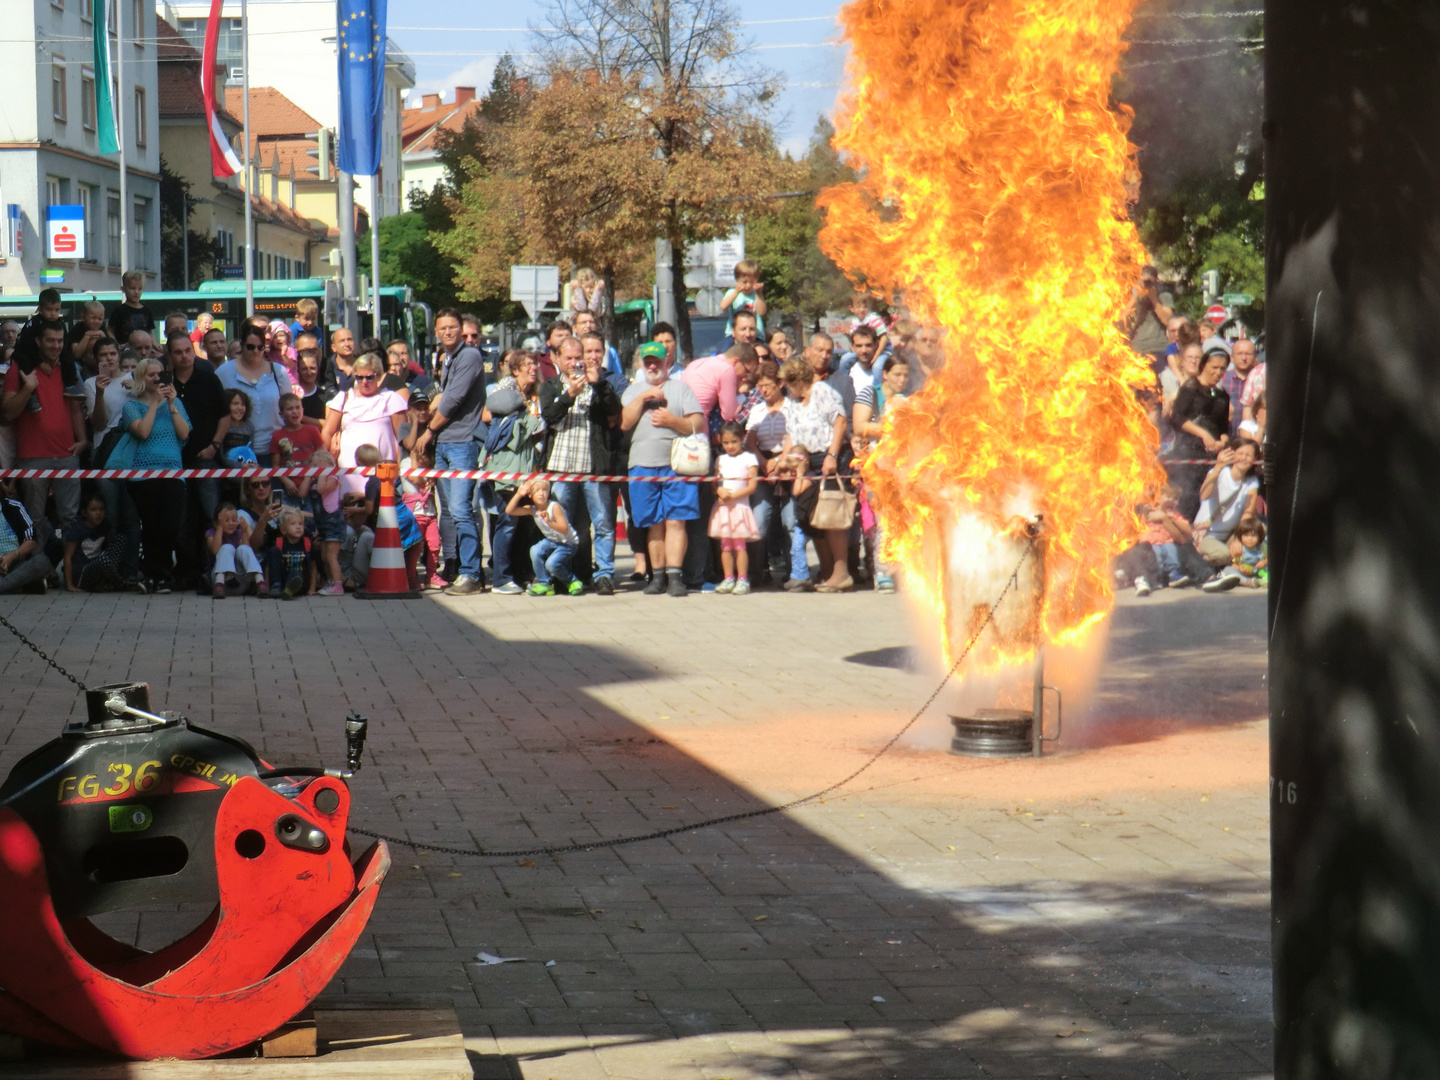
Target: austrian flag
223	161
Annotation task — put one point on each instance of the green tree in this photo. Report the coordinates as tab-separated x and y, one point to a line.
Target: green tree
1210	222
408	256
204	251
798	276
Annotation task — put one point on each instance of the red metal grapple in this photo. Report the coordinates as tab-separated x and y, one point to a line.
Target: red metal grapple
131	808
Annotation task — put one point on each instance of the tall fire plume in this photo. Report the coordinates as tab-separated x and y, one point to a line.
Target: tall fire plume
992	198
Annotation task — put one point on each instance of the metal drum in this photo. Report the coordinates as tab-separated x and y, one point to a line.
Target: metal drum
994	733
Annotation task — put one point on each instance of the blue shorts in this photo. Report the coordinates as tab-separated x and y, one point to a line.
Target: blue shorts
651	504
329	525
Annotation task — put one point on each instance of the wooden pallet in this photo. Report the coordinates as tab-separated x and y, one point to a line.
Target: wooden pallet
352	1044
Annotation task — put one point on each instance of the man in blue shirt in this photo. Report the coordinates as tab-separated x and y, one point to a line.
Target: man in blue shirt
456	420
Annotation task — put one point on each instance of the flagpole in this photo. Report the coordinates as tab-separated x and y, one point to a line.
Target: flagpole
249	176
120	125
375	199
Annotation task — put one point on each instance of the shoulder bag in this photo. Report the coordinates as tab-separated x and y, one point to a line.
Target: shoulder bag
690	455
834	509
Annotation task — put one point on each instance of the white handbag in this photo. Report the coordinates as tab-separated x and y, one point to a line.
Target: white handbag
690	455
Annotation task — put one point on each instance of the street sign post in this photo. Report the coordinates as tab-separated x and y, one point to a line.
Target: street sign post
533	287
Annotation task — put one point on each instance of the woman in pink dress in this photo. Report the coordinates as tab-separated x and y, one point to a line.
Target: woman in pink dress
364	414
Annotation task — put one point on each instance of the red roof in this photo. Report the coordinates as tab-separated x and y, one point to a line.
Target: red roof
419	127
271	112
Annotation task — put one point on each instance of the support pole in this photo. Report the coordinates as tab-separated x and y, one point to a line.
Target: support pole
120	95
1352	302
185	237
349	280
249	175
375	200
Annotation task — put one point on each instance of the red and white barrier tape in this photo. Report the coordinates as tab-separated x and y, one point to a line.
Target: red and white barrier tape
297	472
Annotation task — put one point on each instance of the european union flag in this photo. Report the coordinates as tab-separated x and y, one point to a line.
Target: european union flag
362	84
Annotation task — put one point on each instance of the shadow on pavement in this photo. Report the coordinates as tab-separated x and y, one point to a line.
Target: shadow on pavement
801	958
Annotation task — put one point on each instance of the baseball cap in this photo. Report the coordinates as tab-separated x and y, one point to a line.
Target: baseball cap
653	348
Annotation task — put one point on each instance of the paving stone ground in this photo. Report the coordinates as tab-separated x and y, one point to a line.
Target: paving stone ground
1100	913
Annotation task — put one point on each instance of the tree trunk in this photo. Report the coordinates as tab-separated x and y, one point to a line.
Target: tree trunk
605	320
684	343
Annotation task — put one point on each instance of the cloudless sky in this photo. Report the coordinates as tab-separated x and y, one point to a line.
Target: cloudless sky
457	43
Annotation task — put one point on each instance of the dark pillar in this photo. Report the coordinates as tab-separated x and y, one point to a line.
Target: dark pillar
1353	323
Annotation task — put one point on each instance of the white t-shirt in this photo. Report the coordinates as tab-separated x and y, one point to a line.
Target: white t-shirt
116	395
735	469
1226	505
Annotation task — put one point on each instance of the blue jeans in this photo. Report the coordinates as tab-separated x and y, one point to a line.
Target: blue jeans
459	498
552	560
767	551
799	565
599	502
1169	560
502	533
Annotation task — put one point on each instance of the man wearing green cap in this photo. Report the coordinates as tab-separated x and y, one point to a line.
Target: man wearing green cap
658	409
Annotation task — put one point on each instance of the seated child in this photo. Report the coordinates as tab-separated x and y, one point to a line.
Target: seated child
231	554
291	562
94	555
368	456
1166	528
1249	558
551	557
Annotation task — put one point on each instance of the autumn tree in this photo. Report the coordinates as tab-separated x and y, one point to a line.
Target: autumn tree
650	127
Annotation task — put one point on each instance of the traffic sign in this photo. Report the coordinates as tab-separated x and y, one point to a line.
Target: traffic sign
1237	299
534	286
707	302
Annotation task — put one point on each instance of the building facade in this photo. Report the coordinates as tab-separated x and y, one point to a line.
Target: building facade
292	49
420	129
50	150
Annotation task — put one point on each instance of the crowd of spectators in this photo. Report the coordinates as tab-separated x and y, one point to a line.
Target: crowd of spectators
739	462
1207	528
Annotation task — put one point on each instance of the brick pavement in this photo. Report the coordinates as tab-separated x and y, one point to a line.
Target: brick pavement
1097	914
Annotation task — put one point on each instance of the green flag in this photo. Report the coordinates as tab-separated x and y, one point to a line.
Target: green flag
104	107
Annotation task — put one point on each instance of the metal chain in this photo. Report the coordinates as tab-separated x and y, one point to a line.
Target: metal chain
744	815
36	650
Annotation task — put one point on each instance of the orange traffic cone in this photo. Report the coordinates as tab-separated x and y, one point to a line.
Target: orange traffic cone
387	580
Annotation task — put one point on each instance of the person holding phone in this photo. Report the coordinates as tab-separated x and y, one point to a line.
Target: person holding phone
157	422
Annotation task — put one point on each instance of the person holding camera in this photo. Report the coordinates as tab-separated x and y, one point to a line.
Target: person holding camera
156	420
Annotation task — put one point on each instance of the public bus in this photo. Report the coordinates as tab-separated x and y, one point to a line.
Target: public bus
401	315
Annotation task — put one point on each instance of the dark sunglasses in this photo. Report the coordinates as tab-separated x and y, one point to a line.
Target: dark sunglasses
253	348
366	378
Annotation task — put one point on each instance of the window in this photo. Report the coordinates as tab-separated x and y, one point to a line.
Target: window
87	99
227	244
137	23
54	191
87	11
57	90
112	230
87	200
139	116
142	216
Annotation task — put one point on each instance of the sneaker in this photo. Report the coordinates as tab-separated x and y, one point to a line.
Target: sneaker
1120	578
576	587
333	588
796	584
742	587
36	588
604	586
164	586
726	586
219	590
1142	587
884	583
295	586
508	589
1223	583
141	587
464	586
676	586
538	589
655	587
639	576
709	587
1184	581
450	571
261	588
